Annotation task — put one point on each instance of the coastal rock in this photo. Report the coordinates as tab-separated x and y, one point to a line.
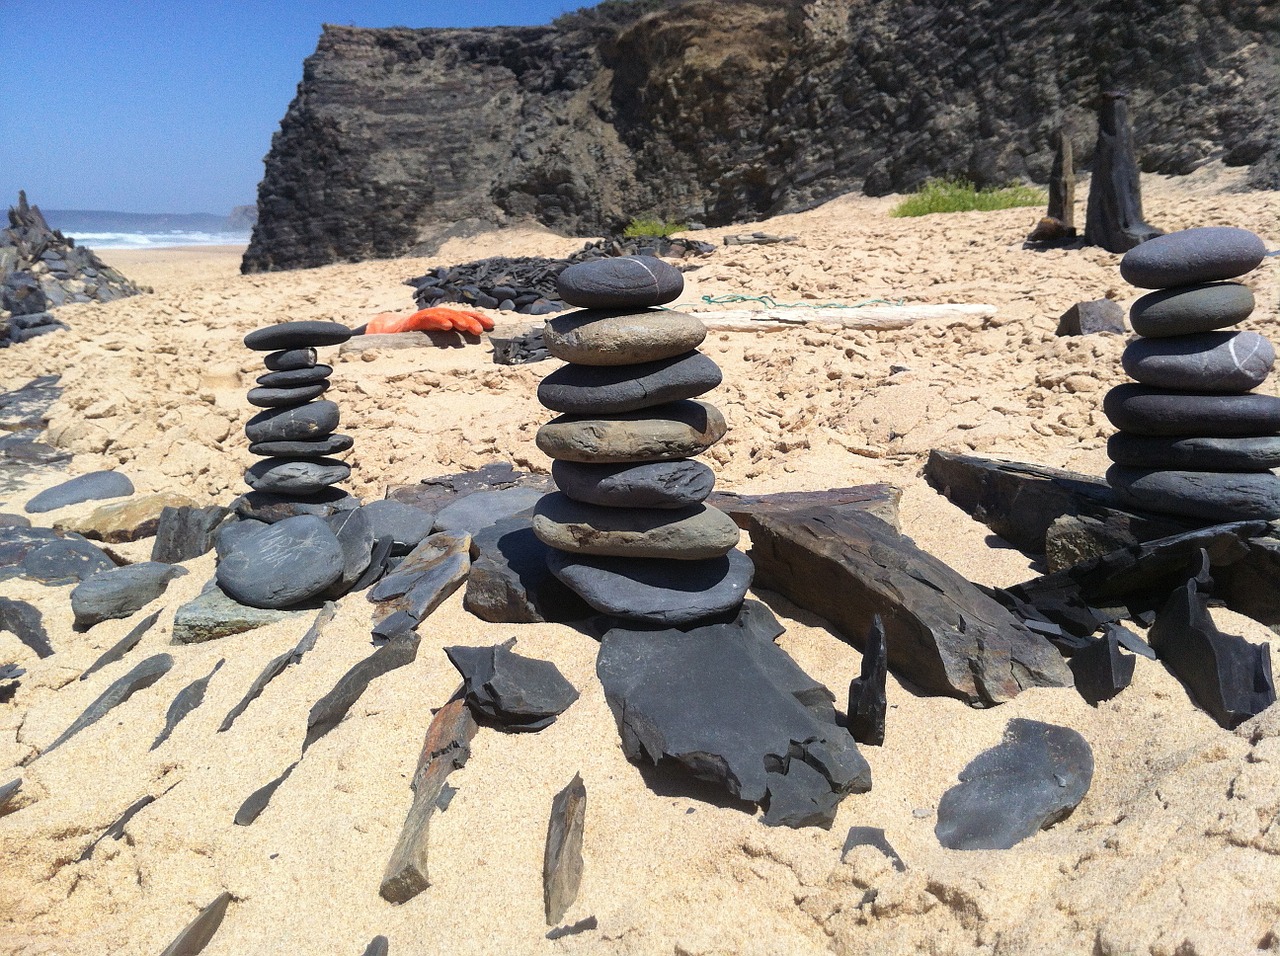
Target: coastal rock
14	521
1029	781
429	552
300	476
404	524
296	377
276	666
91	487
65	561
1092	317
1192	256
321	447
123	646
510	582
138	517
188	699
141	677
1208	362
1216	496
1100	670
18	542
296	336
289	359
609	389
120	591
662	433
270	508
330	709
355	533
186	532
607	338
516	693
310	422
562	857
1142	410
211	614
192	940
481	509
285	397
867	702
428	591
626	282
655	484
688	534
25	622
1195	454
281	565
1186	310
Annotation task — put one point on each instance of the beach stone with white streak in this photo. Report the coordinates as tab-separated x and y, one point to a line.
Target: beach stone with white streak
320	448
308	422
590	390
627	337
653	484
1142	410
1217	496
295	475
1185	310
295	377
288	359
297	335
1206	254
1250	453
665	432
686	534
1207	362
281	565
620	283
286	397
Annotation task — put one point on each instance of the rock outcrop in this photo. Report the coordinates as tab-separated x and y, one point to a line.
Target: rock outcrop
720	112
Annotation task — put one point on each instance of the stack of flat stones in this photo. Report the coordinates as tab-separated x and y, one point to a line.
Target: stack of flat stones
628	529
294	432
1195	440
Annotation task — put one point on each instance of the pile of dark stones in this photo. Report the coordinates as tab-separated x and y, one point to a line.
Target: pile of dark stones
628	530
1195	440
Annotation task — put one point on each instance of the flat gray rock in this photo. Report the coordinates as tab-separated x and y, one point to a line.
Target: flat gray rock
297	335
622	282
427	592
14	521
405	525
509	581
288	359
1195	454
285	397
296	377
607	389
25	622
687	534
1207	362
1142	410
516	693
1185	310
482	509
606	338
303	476
653	484
320	448
665	432
283	564
120	591
91	487
270	508
211	614
1205	254
1217	496
355	534
310	422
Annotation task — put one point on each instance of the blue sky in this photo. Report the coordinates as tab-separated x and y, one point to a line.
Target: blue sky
144	106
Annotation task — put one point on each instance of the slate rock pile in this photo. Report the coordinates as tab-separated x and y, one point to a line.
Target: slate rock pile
1195	440
629	530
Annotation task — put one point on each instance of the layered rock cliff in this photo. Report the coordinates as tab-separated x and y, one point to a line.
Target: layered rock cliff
715	111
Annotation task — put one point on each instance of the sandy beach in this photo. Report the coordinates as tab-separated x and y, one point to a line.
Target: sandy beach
1174	851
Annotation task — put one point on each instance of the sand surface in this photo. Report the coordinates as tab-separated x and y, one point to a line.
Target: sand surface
1175	849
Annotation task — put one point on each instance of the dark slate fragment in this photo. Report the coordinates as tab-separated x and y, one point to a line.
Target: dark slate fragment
91	487
8	791
185	533
510	582
318	448
192	940
288	359
378	946
329	710
292	378
66	561
18	542
188	699
295	476
606	389
404	524
1204	254
562	857
25	621
116	830
13	521
270	508
1227	677
277	665
620	282
874	837
1206	495
515	692
1208	453
1143	410
429	552
141	677
309	422
433	494
124	645
120	591
355	533
650	484
286	397
296	335
481	509
257	801
281	565
379	563
1188	309
867	702
1032	779
428	592
1101	671
1130	641
1092	317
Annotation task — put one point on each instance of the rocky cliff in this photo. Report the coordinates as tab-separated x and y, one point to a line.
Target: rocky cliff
713	111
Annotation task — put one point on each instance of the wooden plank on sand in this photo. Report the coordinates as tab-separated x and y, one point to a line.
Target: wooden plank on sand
870	317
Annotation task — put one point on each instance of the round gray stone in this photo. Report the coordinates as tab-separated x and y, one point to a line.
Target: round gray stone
286	397
118	592
624	282
669	593
1142	410
1190	309
303	476
290	359
1195	454
1206	254
685	534
678	430
297	335
590	390
294	377
328	445
1208	362
654	484
622	338
404	524
1216	496
282	564
308	422
94	486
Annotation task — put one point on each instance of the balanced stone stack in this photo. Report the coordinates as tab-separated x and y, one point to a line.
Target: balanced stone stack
1194	439
628	529
294	432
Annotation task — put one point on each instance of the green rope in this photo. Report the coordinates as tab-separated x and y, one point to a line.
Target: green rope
770	303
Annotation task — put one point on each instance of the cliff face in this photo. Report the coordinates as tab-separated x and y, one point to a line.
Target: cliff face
715	111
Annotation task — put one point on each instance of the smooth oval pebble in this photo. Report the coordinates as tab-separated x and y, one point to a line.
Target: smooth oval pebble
1208	362
295	475
1217	496
282	564
1195	454
1190	309
292	378
285	397
1142	410
678	430
297	335
94	486
320	448
307	422
621	282
270	508
598	337
686	534
590	390
288	359
1205	254
653	484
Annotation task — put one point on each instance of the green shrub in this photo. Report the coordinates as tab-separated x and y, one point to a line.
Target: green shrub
652	227
958	195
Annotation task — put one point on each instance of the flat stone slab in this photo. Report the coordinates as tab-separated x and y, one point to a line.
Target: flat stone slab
621	282
479	510
297	335
1194	454
608	389
285	476
404	524
665	432
285	397
435	493
1205	254
65	561
186	532
1142	410
310	422
1208	362
654	484
288	359
606	338
295	377
212	614
436	568
120	591
1185	310
281	565
355	533
1215	496
514	692
687	534
118	522
319	448
269	507
91	487
510	582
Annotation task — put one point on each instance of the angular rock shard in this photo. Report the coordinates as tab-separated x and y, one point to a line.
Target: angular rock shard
517	693
185	533
123	646
420	584
25	622
1100	670
329	710
121	591
510	582
277	665
562	858
188	699
257	801
867	702
140	678
116	830
378	946
192	940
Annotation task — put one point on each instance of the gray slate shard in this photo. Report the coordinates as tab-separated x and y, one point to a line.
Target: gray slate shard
293	378
873	837
608	389
404	524
8	791
355	533
621	282
333	706
25	622
484	508
1229	678
116	830
120	591
270	508
286	397
433	494
288	359
257	801
188	699
1130	641
141	677
192	940
91	487
65	561
309	422
510	582
123	646
1208	362
1100	670
1092	317
1260	453
1215	496
1035	777
1143	410
185	533
650	484
18	542
282	565
710	700
1205	254
379	563
9	674
429	553
428	591
378	946
277	665
516	693
294	476
867	702
1188	309
319	448
211	615
562	857
296	335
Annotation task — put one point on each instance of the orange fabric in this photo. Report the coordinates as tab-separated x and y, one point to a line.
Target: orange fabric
438	319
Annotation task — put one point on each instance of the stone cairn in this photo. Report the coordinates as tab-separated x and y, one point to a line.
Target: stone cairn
628	530
294	432
1194	440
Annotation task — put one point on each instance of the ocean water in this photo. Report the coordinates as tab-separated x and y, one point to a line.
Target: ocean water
148	240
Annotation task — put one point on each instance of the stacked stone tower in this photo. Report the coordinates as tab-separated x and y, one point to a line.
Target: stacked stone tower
629	530
1194	440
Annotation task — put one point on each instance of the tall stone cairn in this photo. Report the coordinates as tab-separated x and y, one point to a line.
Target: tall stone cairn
628	529
1194	439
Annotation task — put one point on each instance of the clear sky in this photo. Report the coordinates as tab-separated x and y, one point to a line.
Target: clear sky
168	106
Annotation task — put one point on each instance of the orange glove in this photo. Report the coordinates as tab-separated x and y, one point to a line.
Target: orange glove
438	319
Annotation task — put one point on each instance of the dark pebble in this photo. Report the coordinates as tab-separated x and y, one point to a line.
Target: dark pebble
1208	362
1217	496
283	564
284	476
307	422
269	508
328	445
288	359
620	282
1189	309
405	525
1206	254
1195	454
1149	411
608	389
120	591
286	397
292	378
654	484
297	335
